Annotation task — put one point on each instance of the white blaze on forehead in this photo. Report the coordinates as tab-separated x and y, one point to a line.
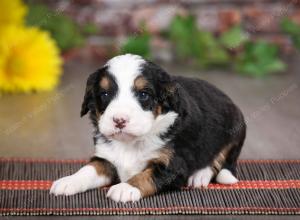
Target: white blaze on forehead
125	68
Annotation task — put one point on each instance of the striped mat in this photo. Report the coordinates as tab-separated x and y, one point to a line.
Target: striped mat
265	187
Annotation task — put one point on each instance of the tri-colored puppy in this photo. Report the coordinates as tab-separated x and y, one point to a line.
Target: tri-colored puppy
155	132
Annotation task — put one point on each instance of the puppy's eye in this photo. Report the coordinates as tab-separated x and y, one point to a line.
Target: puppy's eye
143	96
104	95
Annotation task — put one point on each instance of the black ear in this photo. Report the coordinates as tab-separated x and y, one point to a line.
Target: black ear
88	96
168	91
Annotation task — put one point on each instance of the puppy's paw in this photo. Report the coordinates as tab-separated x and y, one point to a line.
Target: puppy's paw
201	178
68	185
226	177
124	192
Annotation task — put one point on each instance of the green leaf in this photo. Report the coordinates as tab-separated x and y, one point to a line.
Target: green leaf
259	59
139	45
233	38
292	29
192	43
289	26
90	29
64	31
182	31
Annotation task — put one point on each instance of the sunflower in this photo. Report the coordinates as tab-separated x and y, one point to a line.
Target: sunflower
29	60
12	12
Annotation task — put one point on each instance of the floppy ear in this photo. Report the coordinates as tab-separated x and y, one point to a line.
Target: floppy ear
88	96
169	95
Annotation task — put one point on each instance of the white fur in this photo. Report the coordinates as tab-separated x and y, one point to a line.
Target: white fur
131	158
124	192
84	179
226	177
201	178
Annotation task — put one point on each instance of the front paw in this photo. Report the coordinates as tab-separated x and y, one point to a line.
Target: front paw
124	192
201	178
68	185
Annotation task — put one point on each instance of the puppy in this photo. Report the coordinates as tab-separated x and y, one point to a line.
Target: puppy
155	132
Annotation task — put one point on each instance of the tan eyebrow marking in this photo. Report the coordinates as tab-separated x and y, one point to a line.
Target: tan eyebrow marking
140	83
105	83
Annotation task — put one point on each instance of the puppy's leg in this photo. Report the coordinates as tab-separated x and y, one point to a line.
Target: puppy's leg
134	189
222	167
97	173
203	176
161	174
226	175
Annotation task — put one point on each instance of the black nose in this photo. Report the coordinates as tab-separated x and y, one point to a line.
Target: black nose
119	122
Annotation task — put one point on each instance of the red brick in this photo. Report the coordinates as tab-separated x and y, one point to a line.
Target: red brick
228	18
296	16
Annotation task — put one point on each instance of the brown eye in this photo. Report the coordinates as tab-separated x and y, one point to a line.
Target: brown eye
104	95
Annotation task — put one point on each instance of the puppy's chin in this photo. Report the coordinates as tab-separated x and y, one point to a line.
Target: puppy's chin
122	137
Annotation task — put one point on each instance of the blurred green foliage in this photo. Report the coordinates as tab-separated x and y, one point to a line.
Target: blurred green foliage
90	29
190	42
65	32
138	44
232	48
233	38
258	59
292	29
255	58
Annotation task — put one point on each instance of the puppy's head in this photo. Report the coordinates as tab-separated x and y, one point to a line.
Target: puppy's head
129	98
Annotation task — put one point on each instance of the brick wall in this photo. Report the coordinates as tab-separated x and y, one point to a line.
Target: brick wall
118	18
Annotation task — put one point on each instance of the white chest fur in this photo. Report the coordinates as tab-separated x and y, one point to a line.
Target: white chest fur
128	159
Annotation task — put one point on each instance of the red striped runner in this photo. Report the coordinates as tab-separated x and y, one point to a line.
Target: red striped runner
259	184
172	209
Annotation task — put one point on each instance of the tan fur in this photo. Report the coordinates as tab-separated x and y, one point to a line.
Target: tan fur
144	182
105	83
157	111
164	157
98	114
220	159
140	83
101	168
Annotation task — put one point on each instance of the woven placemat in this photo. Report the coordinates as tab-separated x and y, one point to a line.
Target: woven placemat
265	187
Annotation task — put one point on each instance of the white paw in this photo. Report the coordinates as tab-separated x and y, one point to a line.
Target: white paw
68	185
124	192
201	178
226	177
